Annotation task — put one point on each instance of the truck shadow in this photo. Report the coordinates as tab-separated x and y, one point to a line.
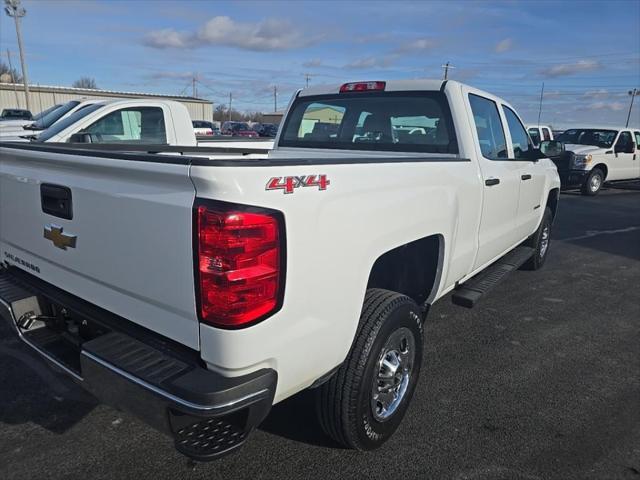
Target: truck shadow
295	419
607	223
33	393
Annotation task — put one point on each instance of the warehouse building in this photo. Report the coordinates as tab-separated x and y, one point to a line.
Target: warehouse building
42	97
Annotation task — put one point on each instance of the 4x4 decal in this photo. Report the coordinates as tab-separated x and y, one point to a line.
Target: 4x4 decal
289	184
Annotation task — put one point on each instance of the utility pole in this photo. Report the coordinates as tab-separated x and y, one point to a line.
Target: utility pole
15	10
633	93
13	80
540	109
446	67
230	99
193	87
275	98
307	77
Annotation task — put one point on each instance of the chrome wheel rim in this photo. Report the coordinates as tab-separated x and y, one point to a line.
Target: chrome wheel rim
392	374
544	241
595	183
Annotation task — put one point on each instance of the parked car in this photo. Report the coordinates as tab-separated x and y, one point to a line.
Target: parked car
266	129
196	292
237	129
15	114
202	127
598	155
539	133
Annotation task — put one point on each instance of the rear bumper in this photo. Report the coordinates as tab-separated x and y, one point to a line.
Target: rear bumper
163	384
572	178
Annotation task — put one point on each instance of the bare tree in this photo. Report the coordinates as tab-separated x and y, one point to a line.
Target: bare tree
9	75
85	82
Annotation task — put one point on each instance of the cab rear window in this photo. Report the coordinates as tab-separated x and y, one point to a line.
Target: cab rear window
384	121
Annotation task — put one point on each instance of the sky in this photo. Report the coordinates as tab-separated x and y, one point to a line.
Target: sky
587	53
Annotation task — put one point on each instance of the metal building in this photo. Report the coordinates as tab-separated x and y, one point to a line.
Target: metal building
42	97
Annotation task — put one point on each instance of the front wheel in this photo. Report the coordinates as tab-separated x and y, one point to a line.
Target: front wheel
540	242
362	405
593	183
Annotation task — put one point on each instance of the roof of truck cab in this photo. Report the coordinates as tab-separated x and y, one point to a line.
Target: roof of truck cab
128	101
391	86
599	127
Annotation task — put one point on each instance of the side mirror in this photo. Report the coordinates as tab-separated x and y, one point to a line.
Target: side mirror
81	137
551	148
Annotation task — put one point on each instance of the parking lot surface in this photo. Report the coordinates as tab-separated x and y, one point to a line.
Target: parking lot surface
540	380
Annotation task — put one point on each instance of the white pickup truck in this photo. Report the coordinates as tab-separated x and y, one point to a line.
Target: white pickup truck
539	133
196	292
144	121
594	156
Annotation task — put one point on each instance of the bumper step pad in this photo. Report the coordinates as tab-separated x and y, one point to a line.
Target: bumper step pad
210	437
468	294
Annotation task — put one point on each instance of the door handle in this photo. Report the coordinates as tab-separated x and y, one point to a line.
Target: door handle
489	182
526	177
56	201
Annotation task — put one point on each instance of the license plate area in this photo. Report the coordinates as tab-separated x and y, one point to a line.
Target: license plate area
58	332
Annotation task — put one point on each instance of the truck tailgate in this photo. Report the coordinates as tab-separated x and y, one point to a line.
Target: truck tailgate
128	244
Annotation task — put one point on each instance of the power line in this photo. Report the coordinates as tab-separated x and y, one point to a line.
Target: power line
275	98
633	93
540	109
307	77
446	67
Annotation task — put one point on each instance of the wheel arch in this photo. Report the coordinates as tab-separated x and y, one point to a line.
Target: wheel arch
413	269
603	167
552	201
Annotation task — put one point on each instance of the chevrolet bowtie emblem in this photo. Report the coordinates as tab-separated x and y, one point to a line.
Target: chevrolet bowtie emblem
59	239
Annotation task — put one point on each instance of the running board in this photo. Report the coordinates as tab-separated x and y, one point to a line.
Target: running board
467	294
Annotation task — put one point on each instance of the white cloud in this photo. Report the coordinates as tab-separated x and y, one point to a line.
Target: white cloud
420	44
602	93
613	106
266	35
371	62
315	62
166	38
565	69
504	45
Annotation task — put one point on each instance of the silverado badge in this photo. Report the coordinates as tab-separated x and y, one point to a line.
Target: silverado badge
59	239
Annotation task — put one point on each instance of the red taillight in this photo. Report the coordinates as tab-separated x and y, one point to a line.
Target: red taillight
362	87
239	265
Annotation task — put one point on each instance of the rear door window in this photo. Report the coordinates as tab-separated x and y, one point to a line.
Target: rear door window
546	134
138	124
637	134
385	121
488	127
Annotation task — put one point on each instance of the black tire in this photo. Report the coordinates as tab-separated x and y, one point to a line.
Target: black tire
537	240
593	183
345	402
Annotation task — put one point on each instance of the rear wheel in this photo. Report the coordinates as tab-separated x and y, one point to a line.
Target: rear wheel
363	403
593	183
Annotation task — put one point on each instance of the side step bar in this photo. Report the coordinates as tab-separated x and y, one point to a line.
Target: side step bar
473	289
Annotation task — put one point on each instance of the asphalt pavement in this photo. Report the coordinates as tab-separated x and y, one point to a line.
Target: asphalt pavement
540	381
